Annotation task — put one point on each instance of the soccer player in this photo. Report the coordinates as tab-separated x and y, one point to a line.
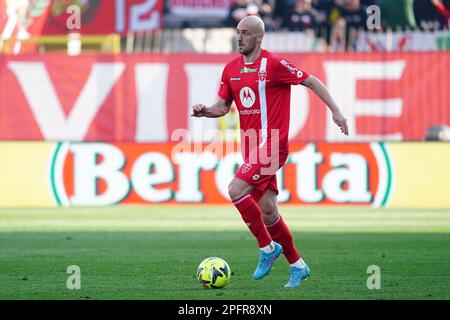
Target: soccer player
260	82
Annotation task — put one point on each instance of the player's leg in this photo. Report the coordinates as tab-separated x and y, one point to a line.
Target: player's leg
280	233
276	225
240	193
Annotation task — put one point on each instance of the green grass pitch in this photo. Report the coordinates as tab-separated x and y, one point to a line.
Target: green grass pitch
153	253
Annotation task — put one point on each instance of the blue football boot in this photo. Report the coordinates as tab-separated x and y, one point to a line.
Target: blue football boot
297	275
266	261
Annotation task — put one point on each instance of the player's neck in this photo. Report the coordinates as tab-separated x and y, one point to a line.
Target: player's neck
252	56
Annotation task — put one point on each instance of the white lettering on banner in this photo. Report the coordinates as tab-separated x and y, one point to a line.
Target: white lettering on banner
349	168
225	172
136	12
46	107
335	177
87	172
307	161
283	194
353	170
190	165
151	92
346	96
203	85
121	18
149	170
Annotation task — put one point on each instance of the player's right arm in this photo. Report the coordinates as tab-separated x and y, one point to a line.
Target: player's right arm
218	109
223	104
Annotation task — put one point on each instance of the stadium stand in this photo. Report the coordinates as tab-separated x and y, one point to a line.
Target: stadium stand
292	26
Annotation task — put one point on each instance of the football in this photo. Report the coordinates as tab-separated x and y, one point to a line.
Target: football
213	273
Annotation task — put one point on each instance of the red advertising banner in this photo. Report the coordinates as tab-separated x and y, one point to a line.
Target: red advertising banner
392	97
103	17
3	16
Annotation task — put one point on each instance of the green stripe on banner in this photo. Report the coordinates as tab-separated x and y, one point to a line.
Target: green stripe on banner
389	173
52	173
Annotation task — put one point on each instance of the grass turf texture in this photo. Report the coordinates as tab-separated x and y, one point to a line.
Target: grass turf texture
153	253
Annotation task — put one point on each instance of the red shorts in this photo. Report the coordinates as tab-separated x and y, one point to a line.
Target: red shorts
260	177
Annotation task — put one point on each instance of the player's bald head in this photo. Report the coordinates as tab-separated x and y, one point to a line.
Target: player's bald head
252	23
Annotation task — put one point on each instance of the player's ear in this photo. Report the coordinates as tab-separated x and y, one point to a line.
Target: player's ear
261	36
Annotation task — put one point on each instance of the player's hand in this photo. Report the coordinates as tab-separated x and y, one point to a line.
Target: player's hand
341	122
198	110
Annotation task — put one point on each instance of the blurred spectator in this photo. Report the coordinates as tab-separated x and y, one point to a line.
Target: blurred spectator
367	3
237	11
326	18
323	8
167	7
265	11
279	11
354	14
443	10
302	17
398	14
349	17
242	8
427	16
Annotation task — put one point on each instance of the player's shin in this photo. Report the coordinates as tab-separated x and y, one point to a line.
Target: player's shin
251	214
280	233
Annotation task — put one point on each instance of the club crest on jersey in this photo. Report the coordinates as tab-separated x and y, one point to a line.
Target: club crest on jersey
246	167
247	97
262	75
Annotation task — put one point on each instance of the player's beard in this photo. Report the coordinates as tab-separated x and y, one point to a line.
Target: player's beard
249	50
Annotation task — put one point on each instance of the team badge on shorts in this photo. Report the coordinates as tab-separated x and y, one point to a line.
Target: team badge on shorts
246	168
255	177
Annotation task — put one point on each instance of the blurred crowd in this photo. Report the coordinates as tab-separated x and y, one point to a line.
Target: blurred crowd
319	16
338	22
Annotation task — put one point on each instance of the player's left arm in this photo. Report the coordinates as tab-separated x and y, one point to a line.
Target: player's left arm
322	92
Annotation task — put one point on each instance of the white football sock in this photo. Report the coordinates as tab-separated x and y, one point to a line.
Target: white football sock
299	264
269	248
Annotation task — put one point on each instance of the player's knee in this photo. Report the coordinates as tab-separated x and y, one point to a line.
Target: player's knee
269	213
269	219
269	209
233	191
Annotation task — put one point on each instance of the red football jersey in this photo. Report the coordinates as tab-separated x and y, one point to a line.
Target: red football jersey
262	93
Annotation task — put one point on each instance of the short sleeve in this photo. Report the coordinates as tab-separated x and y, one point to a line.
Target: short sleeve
287	73
225	89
